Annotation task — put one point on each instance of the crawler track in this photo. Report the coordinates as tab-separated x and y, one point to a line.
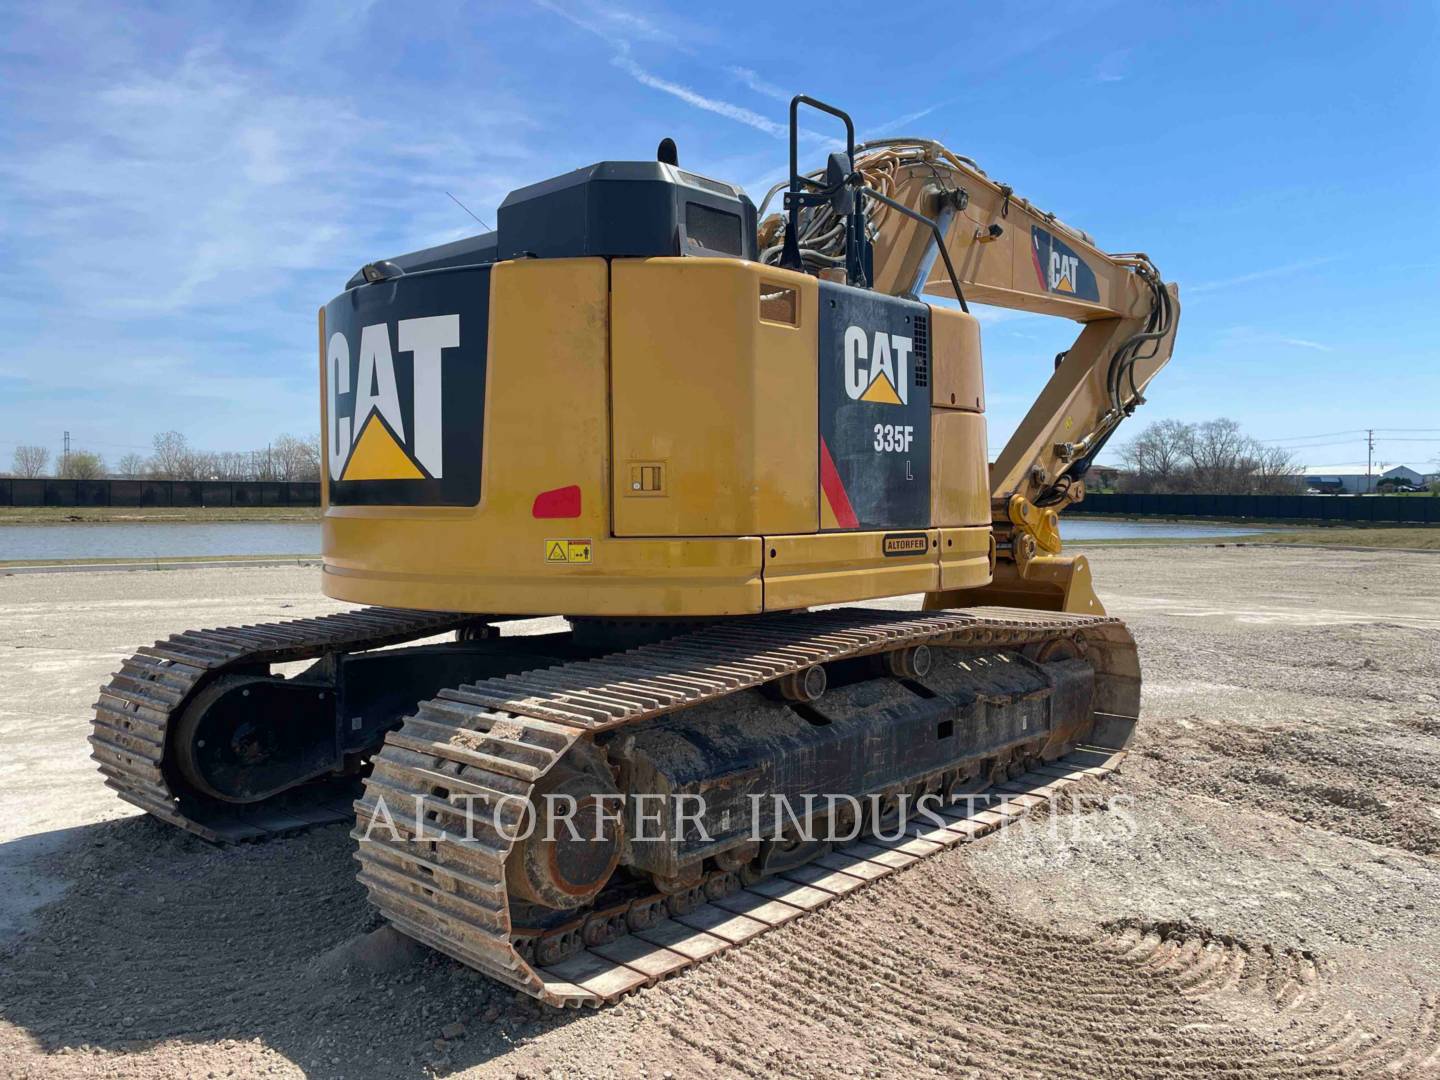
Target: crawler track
487	746
137	706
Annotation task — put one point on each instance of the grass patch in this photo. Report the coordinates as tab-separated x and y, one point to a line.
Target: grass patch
1153	541
69	515
1380	536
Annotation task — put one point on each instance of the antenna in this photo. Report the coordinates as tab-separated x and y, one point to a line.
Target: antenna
467	209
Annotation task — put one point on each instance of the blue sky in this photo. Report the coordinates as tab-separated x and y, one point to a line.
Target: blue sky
183	185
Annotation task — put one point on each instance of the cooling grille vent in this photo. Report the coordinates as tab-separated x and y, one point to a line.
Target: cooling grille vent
921	350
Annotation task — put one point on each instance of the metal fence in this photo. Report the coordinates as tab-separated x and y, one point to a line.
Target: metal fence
20	492
1416	510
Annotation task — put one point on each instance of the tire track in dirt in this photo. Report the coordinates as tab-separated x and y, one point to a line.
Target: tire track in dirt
903	978
1291	983
1333	727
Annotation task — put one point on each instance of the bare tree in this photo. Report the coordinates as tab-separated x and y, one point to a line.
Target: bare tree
1215	457
131	467
199	465
1217	452
232	464
1156	457
1273	470
264	468
296	458
289	457
171	459
30	461
82	465
311	469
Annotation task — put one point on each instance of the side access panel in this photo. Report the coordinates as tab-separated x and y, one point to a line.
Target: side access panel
874	411
712	370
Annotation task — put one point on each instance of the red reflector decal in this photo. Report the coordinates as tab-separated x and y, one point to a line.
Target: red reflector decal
559	503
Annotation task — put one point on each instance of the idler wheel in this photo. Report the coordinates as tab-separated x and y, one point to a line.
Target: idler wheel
245	738
573	843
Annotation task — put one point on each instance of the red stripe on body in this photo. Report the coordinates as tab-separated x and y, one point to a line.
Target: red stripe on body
1035	258
834	490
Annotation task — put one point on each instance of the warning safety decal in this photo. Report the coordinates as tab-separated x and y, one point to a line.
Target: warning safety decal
567	551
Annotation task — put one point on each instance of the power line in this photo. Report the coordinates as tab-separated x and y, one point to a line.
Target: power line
1351	431
1317	446
1350	442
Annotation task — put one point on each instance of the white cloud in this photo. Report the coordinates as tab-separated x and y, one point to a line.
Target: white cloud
1111	68
622	31
179	203
611	24
1302	343
1252	337
890	127
726	109
1258	275
753	80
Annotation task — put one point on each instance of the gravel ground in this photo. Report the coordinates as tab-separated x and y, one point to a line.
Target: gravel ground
1256	894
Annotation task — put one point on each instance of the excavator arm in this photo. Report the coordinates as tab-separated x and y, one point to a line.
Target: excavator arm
1007	252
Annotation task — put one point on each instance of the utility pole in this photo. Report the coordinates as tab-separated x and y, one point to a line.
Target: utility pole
1369	459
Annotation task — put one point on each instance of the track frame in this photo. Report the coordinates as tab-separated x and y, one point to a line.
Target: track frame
493	742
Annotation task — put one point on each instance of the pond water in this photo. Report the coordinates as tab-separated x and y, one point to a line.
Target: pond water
146	540
142	540
1129	529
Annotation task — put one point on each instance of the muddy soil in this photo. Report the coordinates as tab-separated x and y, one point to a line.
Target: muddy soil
1256	894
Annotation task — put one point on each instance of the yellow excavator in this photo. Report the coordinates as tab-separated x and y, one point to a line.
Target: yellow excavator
701	437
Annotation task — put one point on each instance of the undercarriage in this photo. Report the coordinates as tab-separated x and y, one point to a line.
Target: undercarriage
538	805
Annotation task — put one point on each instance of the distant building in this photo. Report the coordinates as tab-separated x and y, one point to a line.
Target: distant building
1352	479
